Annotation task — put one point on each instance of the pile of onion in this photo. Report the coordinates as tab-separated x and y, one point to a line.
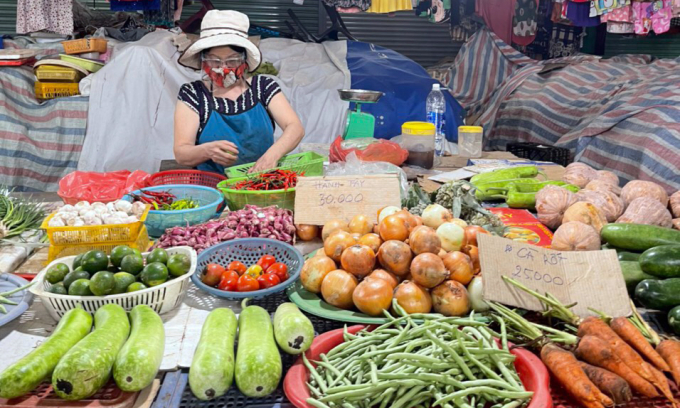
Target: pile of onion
395	257
314	271
386	276
372	241
413	298
450	299
338	287
359	260
372	296
361	225
428	270
424	239
332	226
459	267
336	244
393	227
307	232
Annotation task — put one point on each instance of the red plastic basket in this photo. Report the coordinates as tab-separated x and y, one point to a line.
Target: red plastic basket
532	372
196	177
109	396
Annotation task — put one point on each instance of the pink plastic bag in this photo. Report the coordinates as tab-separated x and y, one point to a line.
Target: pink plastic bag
102	187
380	151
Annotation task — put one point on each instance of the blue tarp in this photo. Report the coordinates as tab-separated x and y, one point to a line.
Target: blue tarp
405	84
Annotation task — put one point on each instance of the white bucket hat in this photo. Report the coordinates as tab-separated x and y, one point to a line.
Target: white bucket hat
221	28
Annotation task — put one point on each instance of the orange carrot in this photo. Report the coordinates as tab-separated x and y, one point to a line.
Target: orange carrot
631	335
662	384
670	351
596	327
564	366
596	351
609	383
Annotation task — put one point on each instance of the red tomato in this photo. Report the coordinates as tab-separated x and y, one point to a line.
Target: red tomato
247	283
238	267
229	282
213	274
230	274
280	270
266	261
268	280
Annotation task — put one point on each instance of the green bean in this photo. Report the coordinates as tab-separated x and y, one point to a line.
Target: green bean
406	397
416	357
480	390
7	301
314	373
343	374
388	396
314	390
316	403
452	352
370	388
512	404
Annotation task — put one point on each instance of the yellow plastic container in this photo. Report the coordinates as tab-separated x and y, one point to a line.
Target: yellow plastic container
418	139
85	45
47	73
470	141
60	251
51	90
90	234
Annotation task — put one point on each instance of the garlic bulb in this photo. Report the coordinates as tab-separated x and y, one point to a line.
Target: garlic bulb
120	214
100	210
111	207
98	205
130	219
82	204
69	216
67	208
124	206
56	222
95	221
138	208
84	211
79	222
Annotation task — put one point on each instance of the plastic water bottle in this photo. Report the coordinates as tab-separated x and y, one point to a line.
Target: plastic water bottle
435	108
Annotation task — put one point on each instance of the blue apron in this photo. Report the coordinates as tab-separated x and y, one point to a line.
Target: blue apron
251	131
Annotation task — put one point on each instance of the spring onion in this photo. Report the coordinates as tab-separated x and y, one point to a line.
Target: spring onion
18	215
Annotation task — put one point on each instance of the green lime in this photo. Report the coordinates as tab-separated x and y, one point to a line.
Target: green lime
74	276
134	287
56	273
123	280
95	261
78	269
132	263
118	253
102	283
154	274
81	287
58	288
158	255
78	260
179	264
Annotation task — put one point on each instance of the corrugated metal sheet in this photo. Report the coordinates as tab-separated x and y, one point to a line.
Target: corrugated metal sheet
413	36
269	13
661	46
8	16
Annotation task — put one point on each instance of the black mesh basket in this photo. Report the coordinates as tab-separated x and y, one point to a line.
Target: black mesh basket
537	152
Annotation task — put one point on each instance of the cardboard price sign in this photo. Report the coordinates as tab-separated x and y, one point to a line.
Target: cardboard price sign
321	199
591	278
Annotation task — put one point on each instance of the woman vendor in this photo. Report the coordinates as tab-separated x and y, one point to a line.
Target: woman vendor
225	119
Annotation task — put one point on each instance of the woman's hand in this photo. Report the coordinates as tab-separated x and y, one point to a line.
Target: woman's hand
221	152
266	162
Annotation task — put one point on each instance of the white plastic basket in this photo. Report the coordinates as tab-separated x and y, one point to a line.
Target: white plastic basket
162	298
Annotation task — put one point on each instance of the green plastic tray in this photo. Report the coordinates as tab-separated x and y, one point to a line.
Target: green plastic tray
237	199
313	304
309	162
91	66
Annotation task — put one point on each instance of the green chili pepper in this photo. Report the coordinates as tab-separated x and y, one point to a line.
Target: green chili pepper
506	174
523	195
495	190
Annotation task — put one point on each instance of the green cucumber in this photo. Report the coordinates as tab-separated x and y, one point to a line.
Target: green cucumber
140	358
658	294
27	373
258	362
628	256
662	261
674	319
639	237
212	369
293	331
87	366
632	274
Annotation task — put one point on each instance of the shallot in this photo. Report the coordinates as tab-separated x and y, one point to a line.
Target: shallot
249	222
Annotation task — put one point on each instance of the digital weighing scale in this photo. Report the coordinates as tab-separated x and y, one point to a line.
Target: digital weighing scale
357	123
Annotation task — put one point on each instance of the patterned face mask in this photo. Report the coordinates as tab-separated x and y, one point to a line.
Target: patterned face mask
224	77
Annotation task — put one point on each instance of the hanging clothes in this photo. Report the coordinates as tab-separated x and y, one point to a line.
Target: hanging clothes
389	6
600	7
579	14
642	17
524	22
45	15
661	19
497	15
675	6
362	4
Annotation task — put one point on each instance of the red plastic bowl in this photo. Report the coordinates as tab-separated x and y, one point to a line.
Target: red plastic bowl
532	372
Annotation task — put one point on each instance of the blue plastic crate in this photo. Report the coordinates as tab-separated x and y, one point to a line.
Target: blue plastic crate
210	202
